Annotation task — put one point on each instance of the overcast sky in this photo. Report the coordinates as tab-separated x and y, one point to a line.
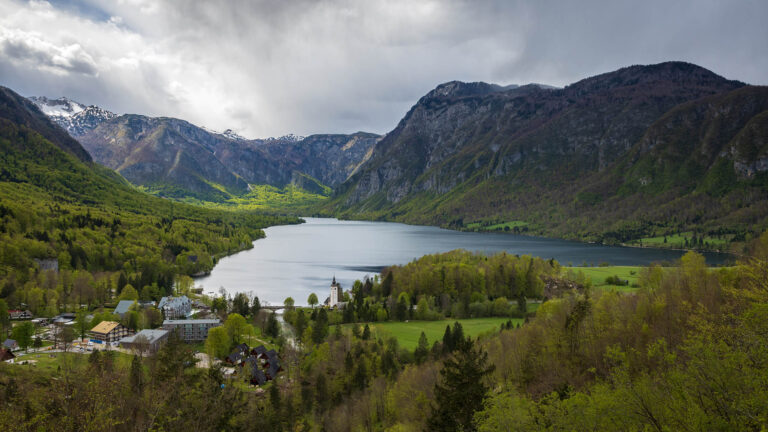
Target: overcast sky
268	68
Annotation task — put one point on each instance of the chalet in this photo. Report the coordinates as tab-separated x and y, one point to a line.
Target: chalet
6	355
151	340
258	377
10	345
175	307
191	330
16	314
109	331
259	352
238	355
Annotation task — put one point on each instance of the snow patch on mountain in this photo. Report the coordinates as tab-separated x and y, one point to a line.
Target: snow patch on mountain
73	116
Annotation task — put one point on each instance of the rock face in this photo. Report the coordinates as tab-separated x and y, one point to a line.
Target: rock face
459	130
179	159
602	146
74	117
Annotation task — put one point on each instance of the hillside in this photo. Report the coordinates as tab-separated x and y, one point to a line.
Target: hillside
91	222
612	158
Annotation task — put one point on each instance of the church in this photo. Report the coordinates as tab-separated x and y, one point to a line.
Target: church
336	300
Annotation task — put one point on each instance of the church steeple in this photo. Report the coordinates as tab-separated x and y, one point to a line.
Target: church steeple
334	280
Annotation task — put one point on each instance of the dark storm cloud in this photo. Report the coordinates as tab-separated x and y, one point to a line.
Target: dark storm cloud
270	68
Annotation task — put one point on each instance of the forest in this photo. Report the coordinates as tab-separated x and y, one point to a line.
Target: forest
687	351
58	213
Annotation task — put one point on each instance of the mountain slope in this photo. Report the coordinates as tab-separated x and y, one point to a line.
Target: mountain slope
471	153
56	206
19	111
176	159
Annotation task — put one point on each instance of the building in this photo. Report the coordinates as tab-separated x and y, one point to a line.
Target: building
109	331
191	330
6	355
19	314
175	307
123	307
149	340
10	345
337	294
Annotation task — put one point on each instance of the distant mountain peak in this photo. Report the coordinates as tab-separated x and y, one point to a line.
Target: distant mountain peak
75	117
59	107
286	138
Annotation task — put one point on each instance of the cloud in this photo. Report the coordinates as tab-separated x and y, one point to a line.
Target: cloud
270	68
29	48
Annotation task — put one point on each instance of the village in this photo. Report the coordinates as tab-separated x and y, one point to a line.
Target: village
190	319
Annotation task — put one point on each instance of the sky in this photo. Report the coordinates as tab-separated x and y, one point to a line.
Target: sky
270	68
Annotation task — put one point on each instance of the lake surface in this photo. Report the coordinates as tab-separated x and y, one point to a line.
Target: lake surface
295	260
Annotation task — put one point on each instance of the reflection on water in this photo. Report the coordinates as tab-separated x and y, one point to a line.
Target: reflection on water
295	260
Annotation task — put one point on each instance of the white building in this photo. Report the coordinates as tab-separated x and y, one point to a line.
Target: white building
337	294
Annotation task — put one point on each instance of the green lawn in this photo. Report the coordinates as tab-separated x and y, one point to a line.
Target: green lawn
599	274
677	241
407	333
48	363
497	227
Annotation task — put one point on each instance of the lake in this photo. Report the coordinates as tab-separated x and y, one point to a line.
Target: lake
295	260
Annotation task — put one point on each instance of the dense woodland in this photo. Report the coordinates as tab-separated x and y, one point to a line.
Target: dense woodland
102	233
686	352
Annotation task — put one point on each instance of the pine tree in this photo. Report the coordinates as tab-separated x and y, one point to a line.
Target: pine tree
366	332
137	375
422	350
447	340
461	389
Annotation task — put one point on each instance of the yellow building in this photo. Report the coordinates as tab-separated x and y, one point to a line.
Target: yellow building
109	331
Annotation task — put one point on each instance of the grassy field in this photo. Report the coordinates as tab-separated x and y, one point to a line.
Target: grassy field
599	274
49	363
407	333
678	241
497	227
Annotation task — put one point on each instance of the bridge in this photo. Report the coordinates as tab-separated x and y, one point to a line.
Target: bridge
273	308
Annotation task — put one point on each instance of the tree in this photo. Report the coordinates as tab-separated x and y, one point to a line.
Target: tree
129	293
81	323
288	303
66	336
320	327
240	304
447	340
422	349
461	390
272	328
217	343
366	332
37	343
236	326
312	300
5	319
23	334
255	306
137	375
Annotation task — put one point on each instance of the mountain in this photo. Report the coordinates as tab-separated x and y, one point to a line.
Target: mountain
174	158
57	205
21	112
579	162
74	117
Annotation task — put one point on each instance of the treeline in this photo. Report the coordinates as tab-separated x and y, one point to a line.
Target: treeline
686	352
56	211
457	284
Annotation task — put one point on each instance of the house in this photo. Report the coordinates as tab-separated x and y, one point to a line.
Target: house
259	352
6	354
191	330
16	314
151	340
10	345
109	331
123	307
175	307
238	355
63	318
258	377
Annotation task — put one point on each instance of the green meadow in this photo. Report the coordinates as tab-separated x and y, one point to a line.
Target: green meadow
408	332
